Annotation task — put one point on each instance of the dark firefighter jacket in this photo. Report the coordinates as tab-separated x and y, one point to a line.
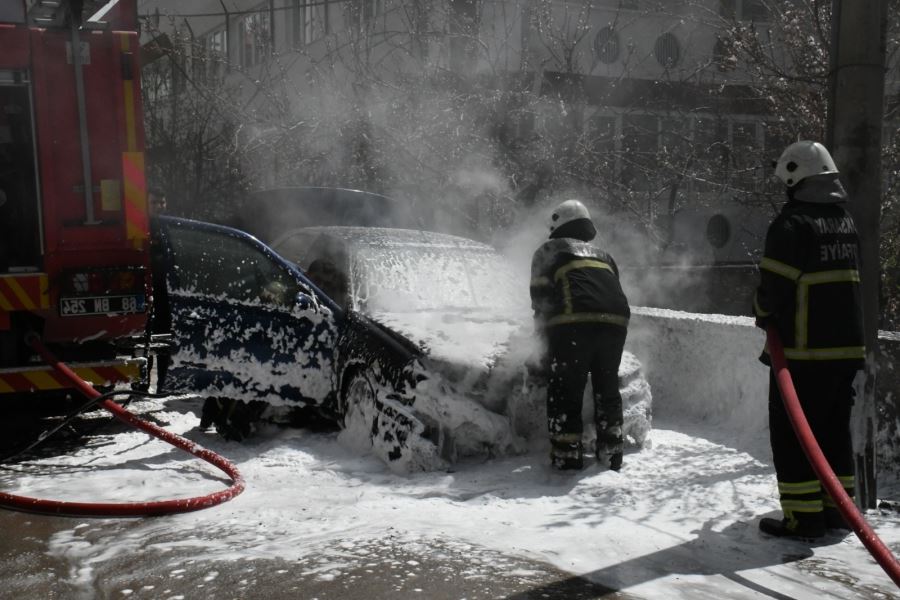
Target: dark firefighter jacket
809	278
573	281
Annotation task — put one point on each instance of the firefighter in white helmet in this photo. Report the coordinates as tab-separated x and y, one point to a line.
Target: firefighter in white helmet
809	291
582	315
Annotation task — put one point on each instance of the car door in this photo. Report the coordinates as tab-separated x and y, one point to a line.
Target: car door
246	324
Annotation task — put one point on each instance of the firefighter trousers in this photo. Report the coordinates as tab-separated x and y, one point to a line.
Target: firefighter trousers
574	351
826	394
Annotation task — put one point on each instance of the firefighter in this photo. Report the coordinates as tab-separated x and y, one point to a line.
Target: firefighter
156	200
582	315
809	291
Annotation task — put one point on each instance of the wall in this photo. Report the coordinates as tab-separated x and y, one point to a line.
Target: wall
705	373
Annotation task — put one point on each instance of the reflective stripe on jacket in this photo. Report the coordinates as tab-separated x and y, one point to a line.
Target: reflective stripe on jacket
809	282
576	282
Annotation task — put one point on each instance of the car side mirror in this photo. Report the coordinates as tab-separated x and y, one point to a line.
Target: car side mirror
306	301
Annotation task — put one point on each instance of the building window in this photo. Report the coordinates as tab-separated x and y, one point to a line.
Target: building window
309	21
372	9
12	12
723	57
640	143
667	50
463	30
626	4
158	79
301	22
744	10
211	56
745	154
606	45
255	35
603	134
710	144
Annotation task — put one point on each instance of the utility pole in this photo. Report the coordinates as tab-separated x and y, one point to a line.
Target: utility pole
855	112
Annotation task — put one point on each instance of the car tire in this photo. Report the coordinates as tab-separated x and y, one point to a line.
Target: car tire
360	413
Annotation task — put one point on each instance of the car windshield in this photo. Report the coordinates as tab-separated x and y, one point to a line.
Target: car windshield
432	277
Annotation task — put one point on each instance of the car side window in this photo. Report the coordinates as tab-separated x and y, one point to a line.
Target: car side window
220	265
323	259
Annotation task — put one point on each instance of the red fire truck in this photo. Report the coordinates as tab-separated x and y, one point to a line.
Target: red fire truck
74	243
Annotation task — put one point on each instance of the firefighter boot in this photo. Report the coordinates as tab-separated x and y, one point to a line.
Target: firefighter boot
835	520
566	452
609	447
805	526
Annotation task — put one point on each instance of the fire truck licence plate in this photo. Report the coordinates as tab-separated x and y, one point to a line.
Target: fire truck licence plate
101	305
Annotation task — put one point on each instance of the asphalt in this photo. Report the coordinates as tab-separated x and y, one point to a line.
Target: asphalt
29	568
32	567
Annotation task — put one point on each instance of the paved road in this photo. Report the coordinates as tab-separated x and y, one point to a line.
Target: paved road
384	569
31	566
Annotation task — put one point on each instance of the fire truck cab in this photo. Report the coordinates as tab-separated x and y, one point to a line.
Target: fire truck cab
74	232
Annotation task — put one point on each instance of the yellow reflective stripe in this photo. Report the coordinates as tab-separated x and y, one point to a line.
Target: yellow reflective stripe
566	438
584	263
589	318
757	309
801	317
848	481
838	276
829	502
20	293
804	506
799	488
91	376
540	281
779	268
42	380
825	353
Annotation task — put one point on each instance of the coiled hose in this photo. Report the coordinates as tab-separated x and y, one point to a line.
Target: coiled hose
128	509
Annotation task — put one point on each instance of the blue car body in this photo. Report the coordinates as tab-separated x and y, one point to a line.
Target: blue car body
251	330
236	305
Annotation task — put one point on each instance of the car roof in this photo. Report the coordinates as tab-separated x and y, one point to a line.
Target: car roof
271	212
387	237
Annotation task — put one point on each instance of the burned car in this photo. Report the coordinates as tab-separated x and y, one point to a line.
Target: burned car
260	341
467	311
413	343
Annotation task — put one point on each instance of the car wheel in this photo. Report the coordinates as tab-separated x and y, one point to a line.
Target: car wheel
233	419
360	419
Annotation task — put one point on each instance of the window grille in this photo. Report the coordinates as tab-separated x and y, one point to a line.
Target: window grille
606	45
667	50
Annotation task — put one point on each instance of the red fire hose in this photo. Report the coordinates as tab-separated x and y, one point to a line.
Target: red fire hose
130	509
845	504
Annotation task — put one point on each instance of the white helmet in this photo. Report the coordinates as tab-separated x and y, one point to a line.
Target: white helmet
568	211
801	160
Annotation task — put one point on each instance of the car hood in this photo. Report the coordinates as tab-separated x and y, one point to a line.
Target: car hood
472	339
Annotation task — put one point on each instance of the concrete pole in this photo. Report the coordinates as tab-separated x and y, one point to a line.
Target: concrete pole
855	111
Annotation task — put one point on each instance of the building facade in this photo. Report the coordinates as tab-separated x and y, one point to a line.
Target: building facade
662	111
